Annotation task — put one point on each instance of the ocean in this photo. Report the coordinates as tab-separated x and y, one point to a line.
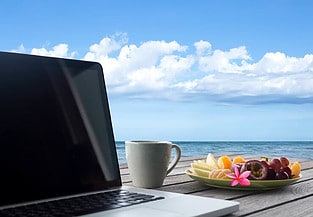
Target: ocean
290	149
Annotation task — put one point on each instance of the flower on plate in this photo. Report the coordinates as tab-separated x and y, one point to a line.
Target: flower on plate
239	178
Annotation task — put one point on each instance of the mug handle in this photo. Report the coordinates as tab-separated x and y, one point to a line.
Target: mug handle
175	160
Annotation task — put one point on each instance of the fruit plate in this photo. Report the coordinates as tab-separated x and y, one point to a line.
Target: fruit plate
254	184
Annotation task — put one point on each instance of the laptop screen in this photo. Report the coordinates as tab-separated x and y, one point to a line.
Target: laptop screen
56	136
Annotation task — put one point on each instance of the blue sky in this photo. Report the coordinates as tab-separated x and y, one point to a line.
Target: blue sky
183	70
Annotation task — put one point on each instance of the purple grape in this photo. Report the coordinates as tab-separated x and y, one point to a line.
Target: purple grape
284	162
271	174
275	164
282	175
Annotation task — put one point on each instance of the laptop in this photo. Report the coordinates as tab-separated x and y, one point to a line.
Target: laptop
57	148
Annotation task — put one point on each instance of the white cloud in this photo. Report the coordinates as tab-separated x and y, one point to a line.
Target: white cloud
20	49
60	50
161	66
203	47
280	63
229	74
173	65
225	61
171	70
105	47
150	66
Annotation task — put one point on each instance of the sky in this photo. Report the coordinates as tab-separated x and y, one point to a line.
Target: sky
183	70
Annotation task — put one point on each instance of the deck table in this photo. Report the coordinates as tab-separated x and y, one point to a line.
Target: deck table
293	200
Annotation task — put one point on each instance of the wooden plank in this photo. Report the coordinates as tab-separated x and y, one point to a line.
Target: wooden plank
185	187
181	178
302	207
179	169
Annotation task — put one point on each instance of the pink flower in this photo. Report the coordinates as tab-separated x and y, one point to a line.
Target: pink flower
242	178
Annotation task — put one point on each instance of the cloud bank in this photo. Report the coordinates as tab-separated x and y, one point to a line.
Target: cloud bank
170	70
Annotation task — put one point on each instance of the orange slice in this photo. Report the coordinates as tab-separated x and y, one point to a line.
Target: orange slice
295	169
238	159
224	162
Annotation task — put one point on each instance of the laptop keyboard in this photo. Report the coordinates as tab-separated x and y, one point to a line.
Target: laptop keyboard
81	205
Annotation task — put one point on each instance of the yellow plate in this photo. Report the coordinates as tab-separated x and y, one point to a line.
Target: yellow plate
255	184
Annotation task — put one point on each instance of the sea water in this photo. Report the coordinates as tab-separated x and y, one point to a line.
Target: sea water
290	149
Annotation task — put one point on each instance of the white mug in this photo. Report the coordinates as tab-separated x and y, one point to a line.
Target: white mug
149	161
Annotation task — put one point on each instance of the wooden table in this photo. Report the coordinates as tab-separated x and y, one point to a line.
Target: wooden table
292	200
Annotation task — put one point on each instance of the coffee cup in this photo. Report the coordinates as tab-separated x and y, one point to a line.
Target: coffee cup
149	162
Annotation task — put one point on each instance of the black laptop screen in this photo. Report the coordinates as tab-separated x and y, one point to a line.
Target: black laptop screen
56	136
